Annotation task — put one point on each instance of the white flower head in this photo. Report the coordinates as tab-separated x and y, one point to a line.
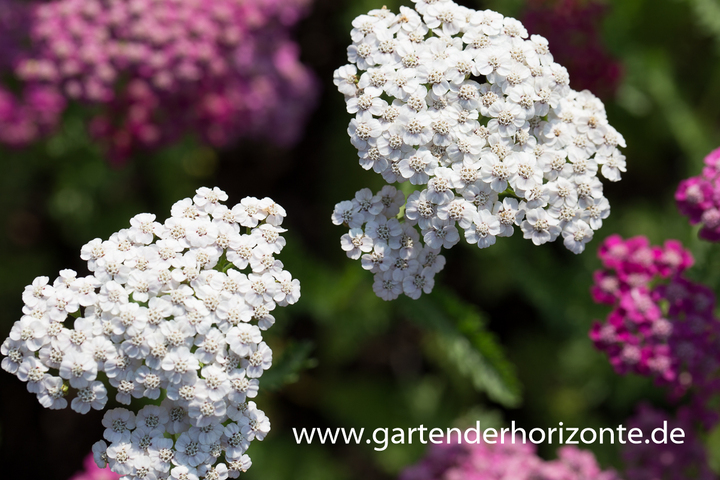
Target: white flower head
461	104
172	311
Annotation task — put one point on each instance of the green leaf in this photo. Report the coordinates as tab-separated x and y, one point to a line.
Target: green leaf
462	342
691	132
295	358
707	14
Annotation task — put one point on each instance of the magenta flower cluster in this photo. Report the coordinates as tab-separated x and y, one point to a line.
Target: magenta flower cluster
698	198
483	461
668	461
662	324
153	71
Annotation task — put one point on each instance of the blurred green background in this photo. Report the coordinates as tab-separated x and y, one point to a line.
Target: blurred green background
504	335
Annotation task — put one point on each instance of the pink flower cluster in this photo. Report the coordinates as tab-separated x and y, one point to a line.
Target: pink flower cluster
35	110
699	198
153	71
669	461
93	472
662	324
35	113
572	27
483	461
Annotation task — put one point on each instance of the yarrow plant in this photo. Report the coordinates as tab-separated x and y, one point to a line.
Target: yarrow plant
662	324
463	107
172	312
154	71
698	198
519	461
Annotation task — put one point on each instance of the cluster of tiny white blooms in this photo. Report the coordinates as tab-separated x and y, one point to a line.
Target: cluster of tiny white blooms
173	312
463	105
391	249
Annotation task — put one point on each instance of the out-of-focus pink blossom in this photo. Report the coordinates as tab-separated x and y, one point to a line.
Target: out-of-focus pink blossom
93	472
153	71
500	461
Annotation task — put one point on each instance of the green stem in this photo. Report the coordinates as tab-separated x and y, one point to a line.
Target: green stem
508	193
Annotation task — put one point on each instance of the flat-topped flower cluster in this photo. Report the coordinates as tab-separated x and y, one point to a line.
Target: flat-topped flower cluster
662	324
173	312
461	104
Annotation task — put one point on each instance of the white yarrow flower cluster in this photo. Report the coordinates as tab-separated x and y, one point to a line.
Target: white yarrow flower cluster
173	312
463	105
